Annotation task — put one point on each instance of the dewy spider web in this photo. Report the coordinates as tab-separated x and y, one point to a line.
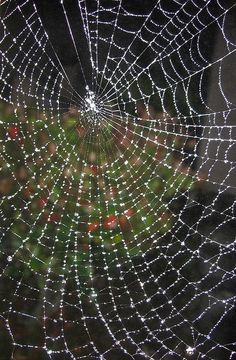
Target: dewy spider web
117	165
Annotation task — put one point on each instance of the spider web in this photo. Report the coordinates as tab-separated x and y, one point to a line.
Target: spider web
117	179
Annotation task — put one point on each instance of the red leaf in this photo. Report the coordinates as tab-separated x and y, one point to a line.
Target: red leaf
42	202
13	132
94	169
93	226
110	222
28	191
52	217
128	213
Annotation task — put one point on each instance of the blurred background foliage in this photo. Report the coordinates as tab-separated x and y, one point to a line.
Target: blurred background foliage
49	219
38	202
